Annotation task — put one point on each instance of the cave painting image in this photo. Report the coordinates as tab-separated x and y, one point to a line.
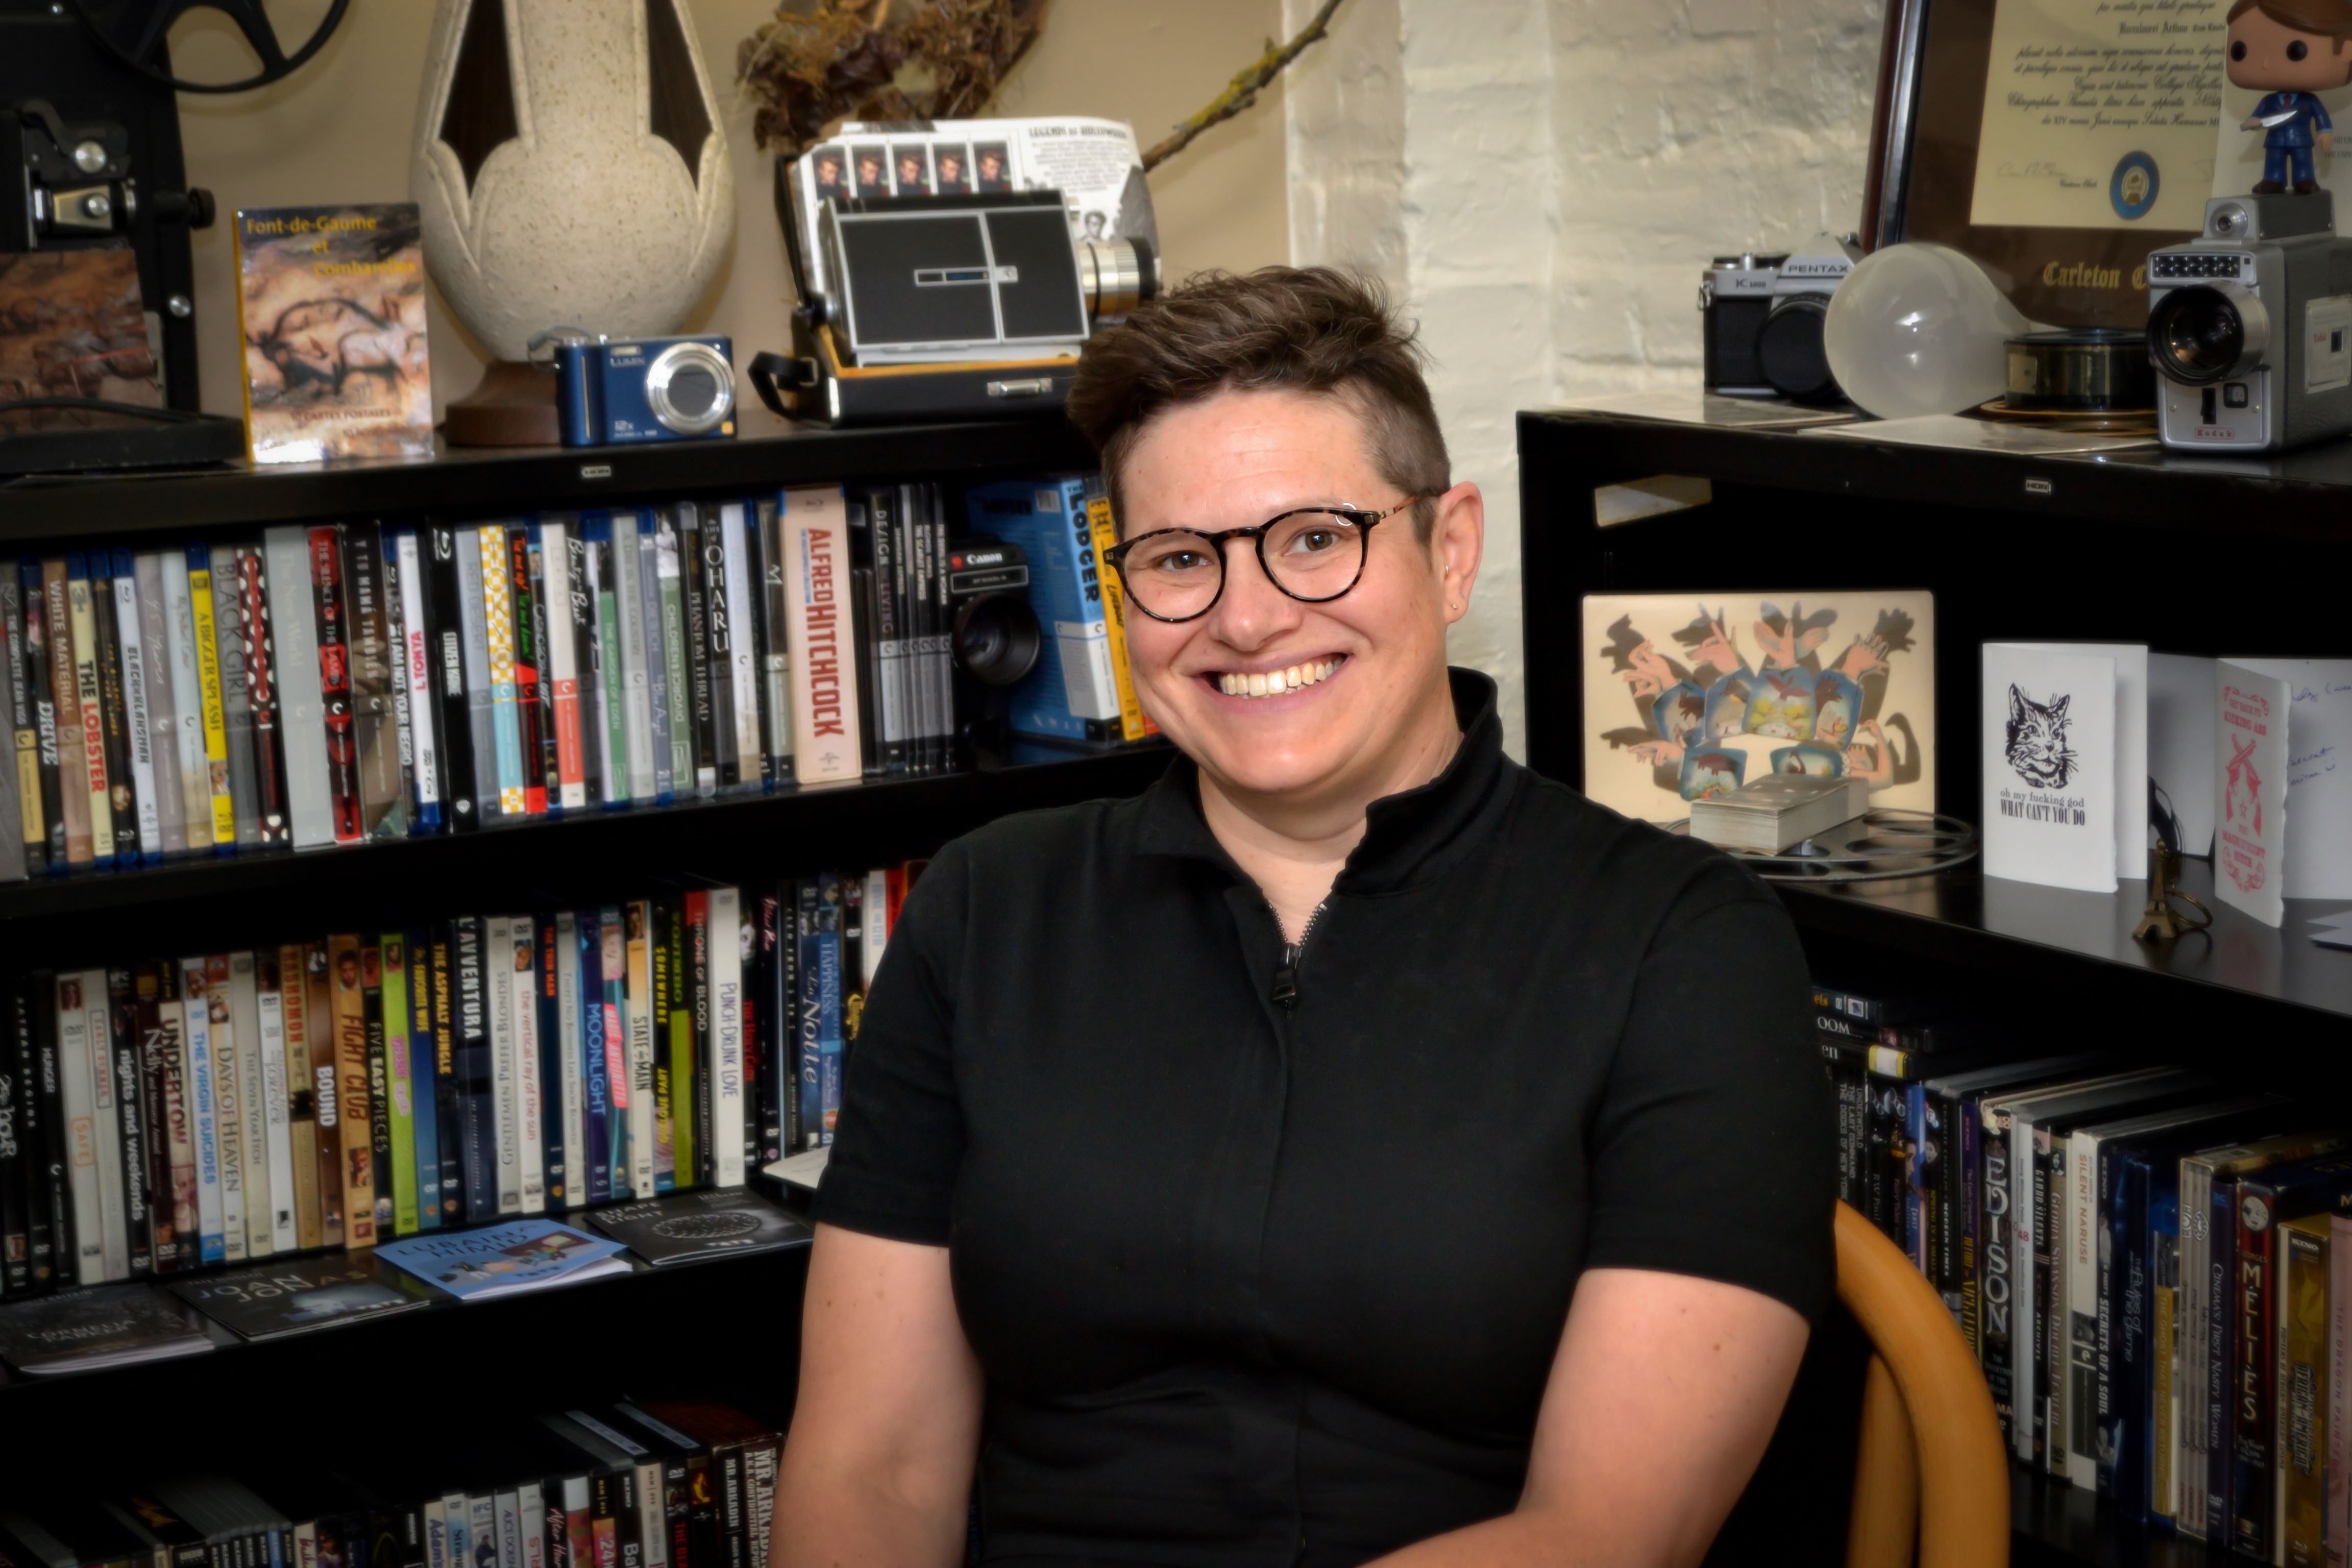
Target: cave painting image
1689	694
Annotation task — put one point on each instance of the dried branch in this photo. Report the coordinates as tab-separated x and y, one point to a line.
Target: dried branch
1243	90
820	62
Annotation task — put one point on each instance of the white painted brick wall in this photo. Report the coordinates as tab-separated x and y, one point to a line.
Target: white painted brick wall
1541	182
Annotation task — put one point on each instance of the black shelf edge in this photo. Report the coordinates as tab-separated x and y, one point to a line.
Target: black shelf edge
485	482
1986	922
611	1295
684	834
2307	496
2056	1524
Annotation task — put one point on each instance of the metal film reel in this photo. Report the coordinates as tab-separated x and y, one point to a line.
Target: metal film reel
1886	843
135	32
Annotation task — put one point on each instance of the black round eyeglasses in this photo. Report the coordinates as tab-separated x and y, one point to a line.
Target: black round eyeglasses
1313	553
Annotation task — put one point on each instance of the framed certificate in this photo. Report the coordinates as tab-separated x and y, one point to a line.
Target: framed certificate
2055	142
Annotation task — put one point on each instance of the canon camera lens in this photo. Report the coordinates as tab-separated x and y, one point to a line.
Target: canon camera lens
2198	335
997	639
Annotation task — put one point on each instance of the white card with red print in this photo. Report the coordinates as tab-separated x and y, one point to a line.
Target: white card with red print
2250	783
2312	772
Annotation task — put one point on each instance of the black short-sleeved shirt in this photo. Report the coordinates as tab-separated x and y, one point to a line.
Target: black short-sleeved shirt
1265	1282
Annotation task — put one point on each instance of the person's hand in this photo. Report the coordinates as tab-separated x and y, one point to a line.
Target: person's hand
2327	143
2250	123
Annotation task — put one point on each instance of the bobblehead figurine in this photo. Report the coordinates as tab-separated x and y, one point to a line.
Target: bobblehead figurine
2294	50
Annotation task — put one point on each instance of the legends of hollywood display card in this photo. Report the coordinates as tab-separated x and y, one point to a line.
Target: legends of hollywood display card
1690	694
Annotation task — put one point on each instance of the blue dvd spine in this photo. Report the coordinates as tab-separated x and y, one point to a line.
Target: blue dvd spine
595	1087
829	1004
424	1082
808	1030
479	1144
2126	1302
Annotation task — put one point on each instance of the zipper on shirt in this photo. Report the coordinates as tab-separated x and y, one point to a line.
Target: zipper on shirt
1286	973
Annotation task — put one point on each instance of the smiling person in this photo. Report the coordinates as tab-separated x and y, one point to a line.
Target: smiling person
1353	1149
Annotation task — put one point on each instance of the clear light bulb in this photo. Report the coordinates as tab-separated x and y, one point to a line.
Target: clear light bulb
1919	329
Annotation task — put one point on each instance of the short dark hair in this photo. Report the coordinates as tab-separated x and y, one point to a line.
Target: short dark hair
2331	17
1296	329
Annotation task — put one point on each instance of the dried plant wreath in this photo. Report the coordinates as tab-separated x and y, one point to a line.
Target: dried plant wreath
820	62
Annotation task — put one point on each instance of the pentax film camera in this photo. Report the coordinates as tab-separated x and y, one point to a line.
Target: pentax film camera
1762	320
2249	326
644	389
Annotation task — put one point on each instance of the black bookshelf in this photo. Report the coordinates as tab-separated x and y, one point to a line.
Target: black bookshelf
484	482
2015	929
2247	556
727	1327
585	856
2127	547
2059	1526
527	1315
409	1383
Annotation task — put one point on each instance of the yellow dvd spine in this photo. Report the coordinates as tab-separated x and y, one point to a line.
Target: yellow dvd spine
498	618
1132	724
2304	1356
208	682
244	331
347	1013
29	787
294	1001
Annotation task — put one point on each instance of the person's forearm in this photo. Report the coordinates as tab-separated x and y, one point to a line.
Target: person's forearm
836	1520
1544	1539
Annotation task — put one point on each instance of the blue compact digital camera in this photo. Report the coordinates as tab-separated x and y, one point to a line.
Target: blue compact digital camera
644	389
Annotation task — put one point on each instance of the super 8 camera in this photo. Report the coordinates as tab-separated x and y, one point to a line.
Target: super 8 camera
644	389
2249	325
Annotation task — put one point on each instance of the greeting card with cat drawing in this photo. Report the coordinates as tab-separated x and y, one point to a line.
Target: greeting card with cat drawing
1687	695
2050	766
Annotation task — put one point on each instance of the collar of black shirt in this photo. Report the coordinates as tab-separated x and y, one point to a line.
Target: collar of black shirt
1408	838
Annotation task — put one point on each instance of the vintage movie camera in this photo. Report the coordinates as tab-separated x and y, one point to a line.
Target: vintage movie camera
644	389
950	280
1762	322
972	305
2249	326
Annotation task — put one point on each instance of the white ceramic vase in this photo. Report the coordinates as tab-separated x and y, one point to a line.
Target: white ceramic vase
571	167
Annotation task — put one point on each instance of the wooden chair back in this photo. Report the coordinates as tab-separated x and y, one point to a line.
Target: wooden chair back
1931	1477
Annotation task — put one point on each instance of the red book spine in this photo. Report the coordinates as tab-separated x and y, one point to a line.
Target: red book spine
335	681
560	587
530	701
